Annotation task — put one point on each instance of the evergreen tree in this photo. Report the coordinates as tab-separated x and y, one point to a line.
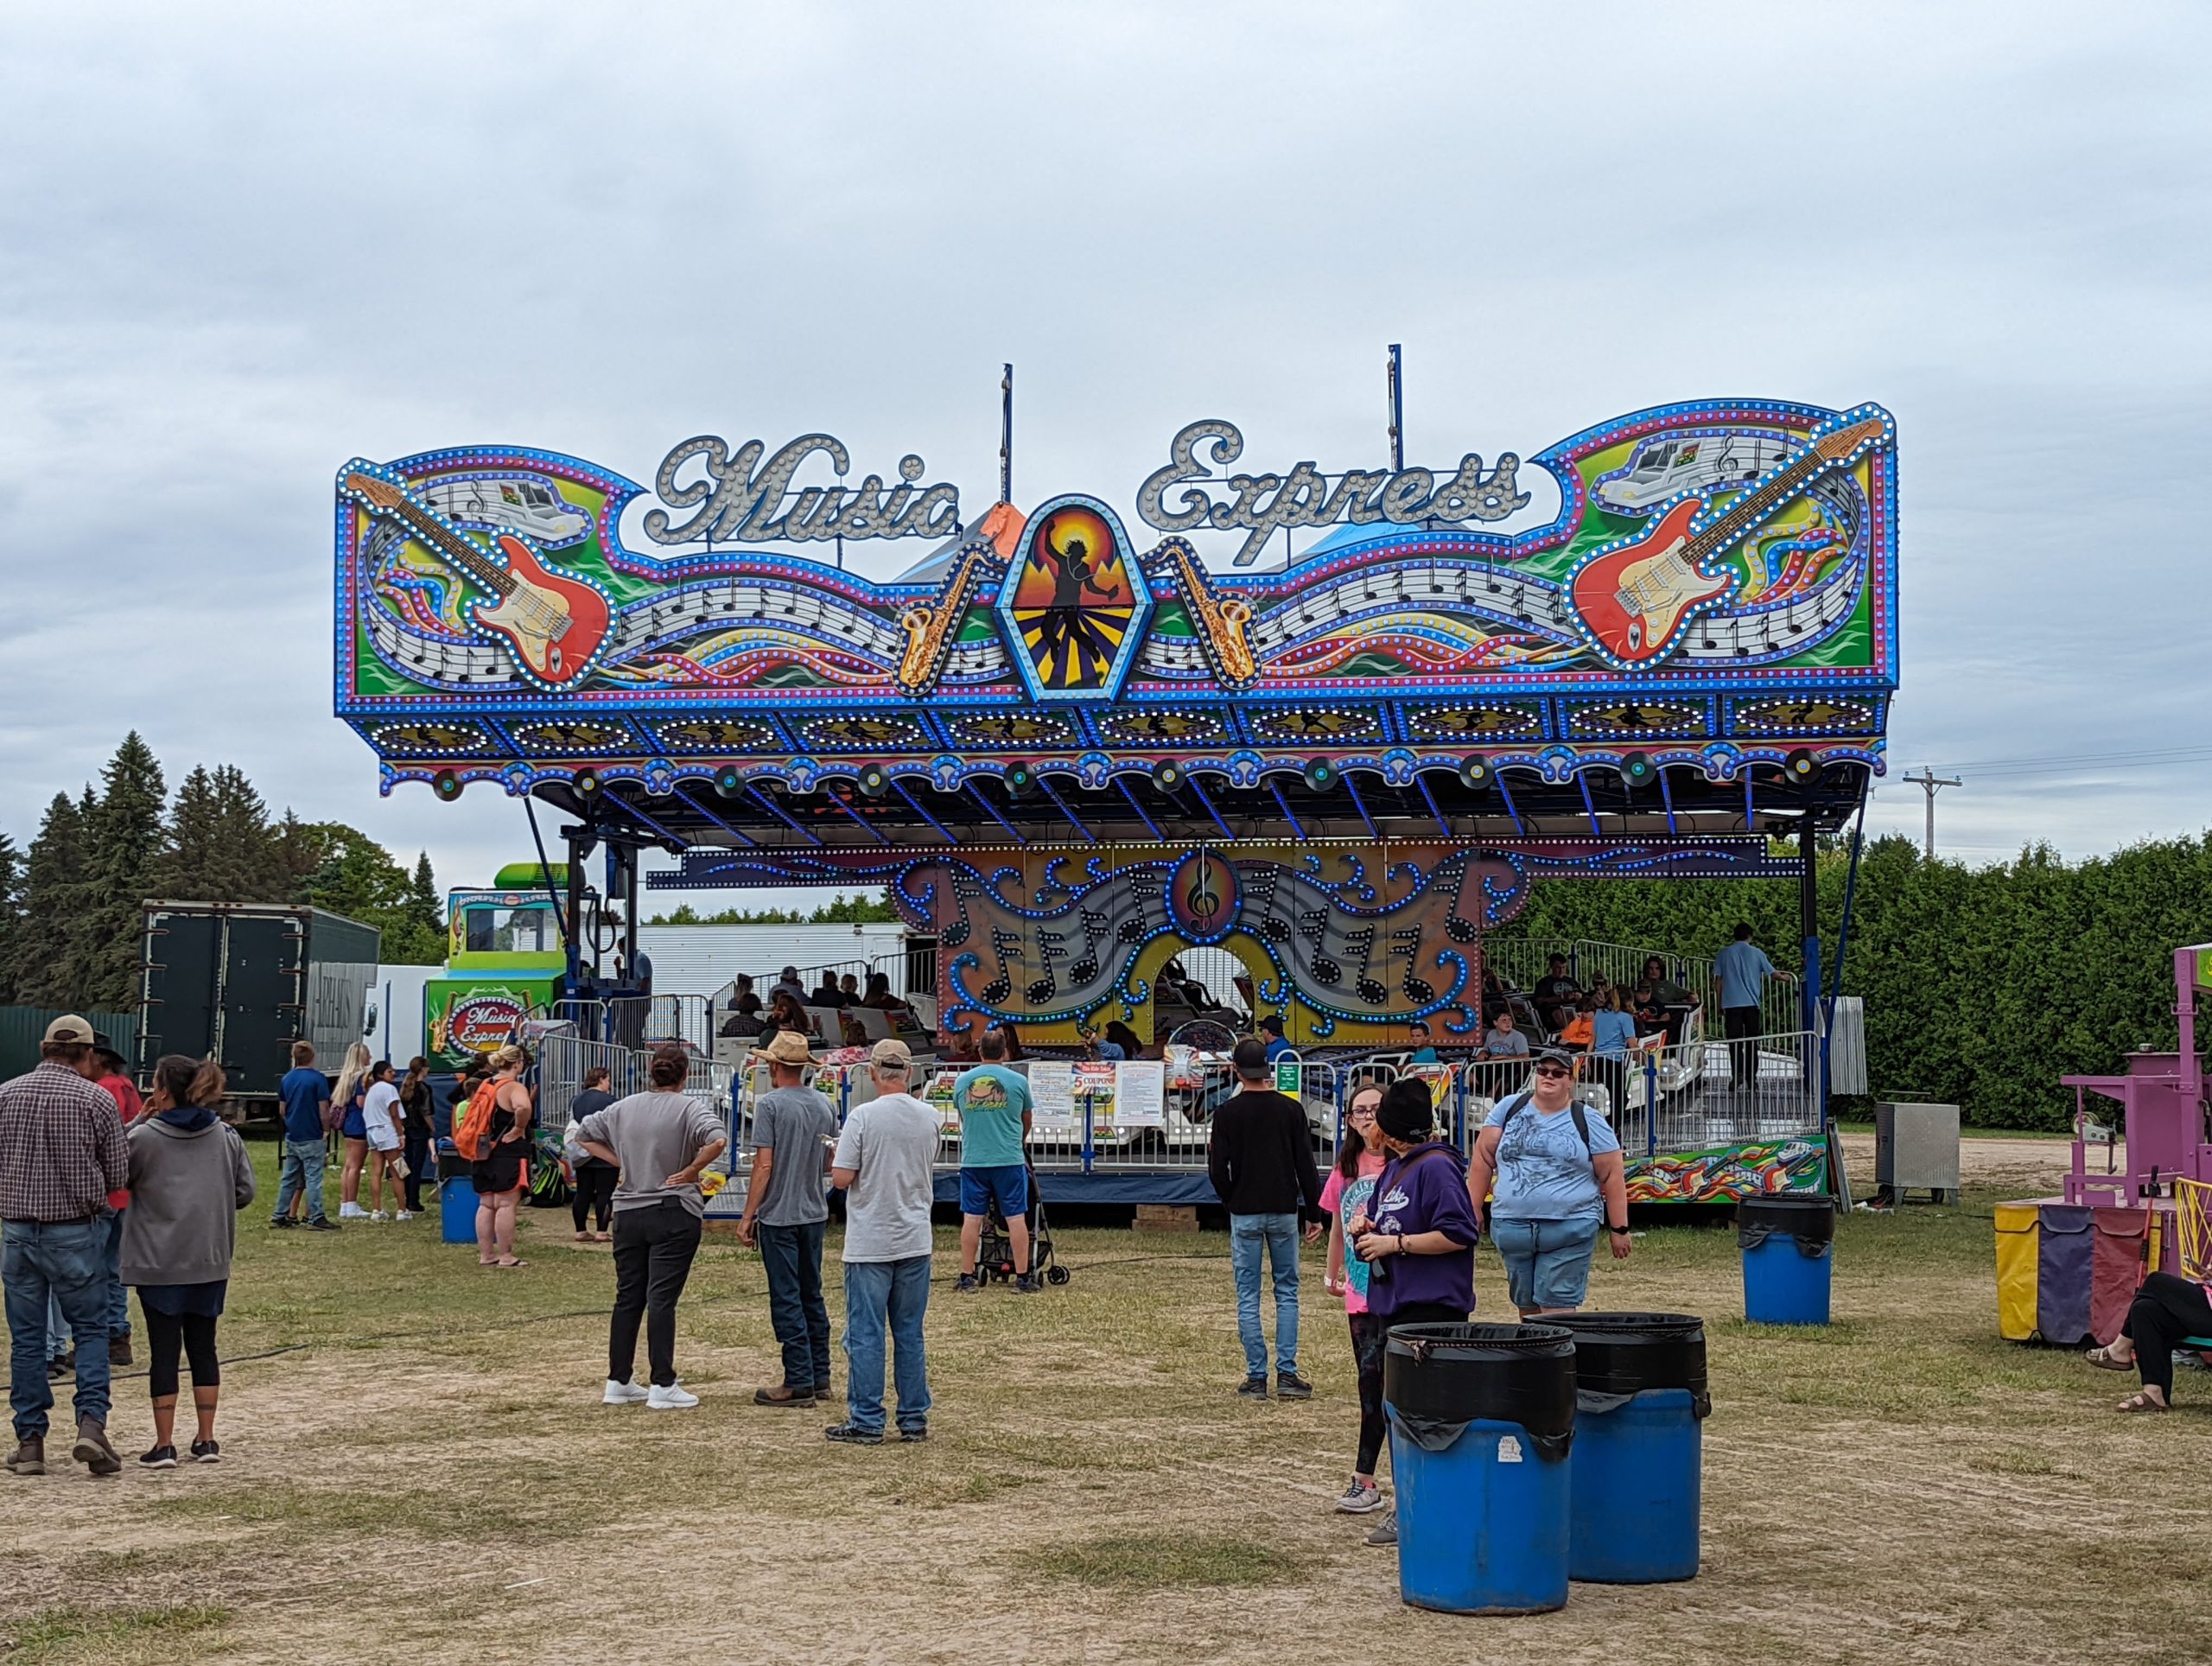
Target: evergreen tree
12	903
124	839
424	902
53	888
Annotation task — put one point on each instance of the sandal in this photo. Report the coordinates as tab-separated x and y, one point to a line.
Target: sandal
583	1237
2105	1360
511	1261
606	1238
2143	1402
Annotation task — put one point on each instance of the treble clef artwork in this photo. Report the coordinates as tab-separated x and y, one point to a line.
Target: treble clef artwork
1203	898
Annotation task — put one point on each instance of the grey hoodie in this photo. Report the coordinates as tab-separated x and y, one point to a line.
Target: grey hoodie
186	1191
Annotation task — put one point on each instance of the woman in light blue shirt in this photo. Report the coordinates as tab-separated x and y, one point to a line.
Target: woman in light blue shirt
1613	1045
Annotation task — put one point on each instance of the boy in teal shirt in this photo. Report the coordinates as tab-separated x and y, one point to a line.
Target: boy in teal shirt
993	1102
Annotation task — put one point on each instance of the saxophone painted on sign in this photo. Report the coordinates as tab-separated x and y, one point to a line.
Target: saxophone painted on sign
1220	620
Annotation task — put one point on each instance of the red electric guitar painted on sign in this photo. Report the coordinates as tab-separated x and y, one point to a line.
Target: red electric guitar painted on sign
553	624
1636	598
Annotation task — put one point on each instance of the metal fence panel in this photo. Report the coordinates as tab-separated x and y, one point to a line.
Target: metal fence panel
22	1029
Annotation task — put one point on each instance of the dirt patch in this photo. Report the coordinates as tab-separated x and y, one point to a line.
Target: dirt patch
431	1469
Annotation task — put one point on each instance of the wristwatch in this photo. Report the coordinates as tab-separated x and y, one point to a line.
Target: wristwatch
1616	1228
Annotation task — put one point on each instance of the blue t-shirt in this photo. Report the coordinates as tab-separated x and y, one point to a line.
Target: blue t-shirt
1277	1047
1611	1034
303	1091
1741	968
990	1099
1544	1172
1423	1056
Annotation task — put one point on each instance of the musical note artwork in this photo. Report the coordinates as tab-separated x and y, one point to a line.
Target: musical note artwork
1690	556
1342	960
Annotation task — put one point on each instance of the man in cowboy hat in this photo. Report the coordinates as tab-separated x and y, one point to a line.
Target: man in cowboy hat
786	1210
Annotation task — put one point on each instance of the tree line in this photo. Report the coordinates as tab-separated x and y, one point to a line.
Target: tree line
844	911
1983	985
70	905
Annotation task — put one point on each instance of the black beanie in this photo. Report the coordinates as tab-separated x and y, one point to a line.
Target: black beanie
1406	1111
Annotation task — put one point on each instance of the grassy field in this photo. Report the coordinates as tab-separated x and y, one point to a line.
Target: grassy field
416	1463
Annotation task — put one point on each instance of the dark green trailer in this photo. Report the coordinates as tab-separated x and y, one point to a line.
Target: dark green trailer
241	981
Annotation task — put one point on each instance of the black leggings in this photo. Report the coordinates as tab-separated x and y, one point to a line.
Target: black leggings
595	1190
1369	1334
165	1333
2167	1308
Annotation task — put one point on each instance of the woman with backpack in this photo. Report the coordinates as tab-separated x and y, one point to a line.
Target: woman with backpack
189	1178
493	1136
1559	1182
349	1103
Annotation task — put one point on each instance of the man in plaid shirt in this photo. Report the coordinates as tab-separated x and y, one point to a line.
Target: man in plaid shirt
61	1153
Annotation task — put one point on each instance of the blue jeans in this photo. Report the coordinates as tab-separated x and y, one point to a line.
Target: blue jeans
792	1257
877	1293
1275	1236
118	1298
69	1260
1547	1261
301	1171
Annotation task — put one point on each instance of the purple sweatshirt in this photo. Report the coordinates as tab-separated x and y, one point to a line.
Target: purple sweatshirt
1424	1192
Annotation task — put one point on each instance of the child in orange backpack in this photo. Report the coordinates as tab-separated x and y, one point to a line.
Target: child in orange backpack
493	1135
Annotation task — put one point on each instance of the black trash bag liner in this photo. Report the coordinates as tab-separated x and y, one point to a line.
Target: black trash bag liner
1437	1379
1617	1355
1808	1217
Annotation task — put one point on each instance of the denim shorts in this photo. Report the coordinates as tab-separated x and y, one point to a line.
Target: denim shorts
1009	1184
1547	1262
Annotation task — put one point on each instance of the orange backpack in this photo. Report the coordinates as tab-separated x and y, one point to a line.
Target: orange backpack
471	1133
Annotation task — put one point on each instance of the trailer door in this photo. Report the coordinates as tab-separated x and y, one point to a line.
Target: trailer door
180	995
264	1010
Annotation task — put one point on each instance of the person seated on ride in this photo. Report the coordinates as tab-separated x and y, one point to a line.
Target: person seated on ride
1659	1002
1503	1042
746	1001
827	994
1556	992
785	1013
1424	1041
880	996
1271	1028
1119	1035
956	1046
2168	1309
1580	1029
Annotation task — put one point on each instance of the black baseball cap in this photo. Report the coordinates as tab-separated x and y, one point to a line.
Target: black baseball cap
1250	1057
1557	1056
1272	1024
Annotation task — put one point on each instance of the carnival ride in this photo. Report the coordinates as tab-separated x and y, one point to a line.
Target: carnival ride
1070	760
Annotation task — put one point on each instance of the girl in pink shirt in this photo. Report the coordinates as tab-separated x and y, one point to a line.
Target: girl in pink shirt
1360	1159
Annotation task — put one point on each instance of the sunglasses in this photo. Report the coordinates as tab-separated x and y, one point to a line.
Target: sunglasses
1553	1069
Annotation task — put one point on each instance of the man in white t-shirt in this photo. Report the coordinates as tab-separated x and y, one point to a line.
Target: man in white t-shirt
883	1162
381	1118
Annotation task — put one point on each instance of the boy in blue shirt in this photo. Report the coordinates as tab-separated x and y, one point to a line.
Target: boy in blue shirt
305	1093
993	1105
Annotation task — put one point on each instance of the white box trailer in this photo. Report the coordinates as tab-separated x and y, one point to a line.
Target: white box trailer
699	960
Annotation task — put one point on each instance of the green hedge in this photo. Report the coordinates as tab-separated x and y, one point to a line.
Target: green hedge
1983	985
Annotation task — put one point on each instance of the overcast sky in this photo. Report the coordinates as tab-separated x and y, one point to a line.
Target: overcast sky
238	245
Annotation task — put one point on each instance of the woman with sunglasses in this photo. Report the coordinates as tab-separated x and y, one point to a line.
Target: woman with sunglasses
1560	1181
1359	1160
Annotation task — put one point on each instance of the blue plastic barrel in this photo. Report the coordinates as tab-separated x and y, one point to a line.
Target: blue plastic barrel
1482	1417
457	1208
1637	1469
1788	1243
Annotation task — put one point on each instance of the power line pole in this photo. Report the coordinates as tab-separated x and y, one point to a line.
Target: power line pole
1006	436
1930	783
1397	413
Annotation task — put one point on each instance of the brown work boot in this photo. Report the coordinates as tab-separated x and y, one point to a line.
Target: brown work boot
118	1351
30	1456
782	1395
93	1450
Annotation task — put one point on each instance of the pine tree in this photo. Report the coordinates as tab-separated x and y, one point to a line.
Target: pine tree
424	901
11	904
124	840
53	887
184	871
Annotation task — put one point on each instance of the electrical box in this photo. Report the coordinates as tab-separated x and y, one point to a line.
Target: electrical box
1916	1149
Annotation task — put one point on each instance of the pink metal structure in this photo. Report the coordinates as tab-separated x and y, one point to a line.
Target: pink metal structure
2163	1098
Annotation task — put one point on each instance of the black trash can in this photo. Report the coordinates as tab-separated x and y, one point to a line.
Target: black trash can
1638	1464
1787	1241
1482	1417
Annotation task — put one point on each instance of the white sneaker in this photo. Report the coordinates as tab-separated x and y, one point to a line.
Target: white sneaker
623	1394
351	1211
403	1215
671	1398
379	1215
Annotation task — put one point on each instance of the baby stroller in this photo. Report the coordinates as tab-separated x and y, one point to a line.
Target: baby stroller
995	1251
